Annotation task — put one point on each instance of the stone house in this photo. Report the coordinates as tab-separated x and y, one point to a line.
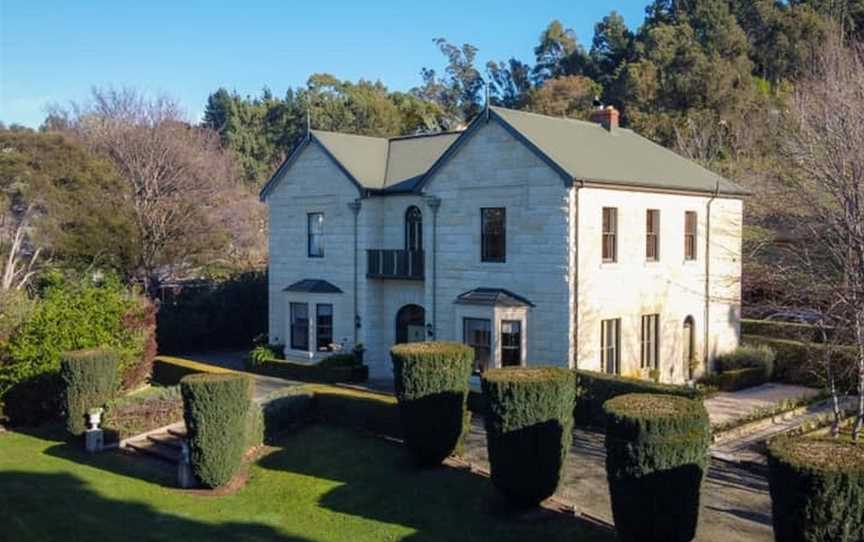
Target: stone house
534	239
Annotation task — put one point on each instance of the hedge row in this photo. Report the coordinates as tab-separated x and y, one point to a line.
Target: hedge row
797	362
168	371
736	379
90	379
817	490
216	412
593	389
781	330
529	429
328	372
656	460
431	381
370	411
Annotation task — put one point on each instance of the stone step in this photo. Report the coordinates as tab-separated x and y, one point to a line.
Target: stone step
167	439
179	433
156	450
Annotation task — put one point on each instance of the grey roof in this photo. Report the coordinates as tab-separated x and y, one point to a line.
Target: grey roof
577	150
493	296
313	286
393	164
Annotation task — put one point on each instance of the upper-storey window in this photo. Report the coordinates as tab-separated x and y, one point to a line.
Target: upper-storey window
690	235
610	346
650	339
413	229
652	235
610	234
315	229
493	229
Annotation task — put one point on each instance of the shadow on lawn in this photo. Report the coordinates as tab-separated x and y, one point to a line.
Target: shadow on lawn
380	481
77	513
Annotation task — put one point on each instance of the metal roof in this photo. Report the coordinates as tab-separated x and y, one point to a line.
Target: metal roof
492	296
313	286
577	150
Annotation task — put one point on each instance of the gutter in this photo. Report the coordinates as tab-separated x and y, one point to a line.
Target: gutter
355	208
577	185
708	271
434	203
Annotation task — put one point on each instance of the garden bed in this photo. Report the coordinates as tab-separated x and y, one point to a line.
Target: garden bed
142	411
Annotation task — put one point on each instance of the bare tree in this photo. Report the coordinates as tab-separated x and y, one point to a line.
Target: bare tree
825	149
178	175
18	264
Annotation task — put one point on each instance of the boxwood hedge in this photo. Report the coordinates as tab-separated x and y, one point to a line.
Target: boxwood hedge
817	490
215	408
656	459
529	427
593	389
90	378
431	380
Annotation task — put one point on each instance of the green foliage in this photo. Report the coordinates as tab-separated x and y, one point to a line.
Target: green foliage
339	360
284	409
799	362
75	314
260	354
220	314
748	357
169	371
593	389
377	413
656	459
736	379
15	308
782	330
817	490
529	421
215	408
144	410
90	379
431	381
312	372
254	429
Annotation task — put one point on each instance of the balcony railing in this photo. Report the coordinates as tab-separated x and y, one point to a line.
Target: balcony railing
394	264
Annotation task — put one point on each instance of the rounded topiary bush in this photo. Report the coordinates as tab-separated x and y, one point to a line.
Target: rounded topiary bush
89	379
656	459
215	408
431	380
817	490
529	428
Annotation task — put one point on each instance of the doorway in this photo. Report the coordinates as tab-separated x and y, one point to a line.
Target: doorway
410	324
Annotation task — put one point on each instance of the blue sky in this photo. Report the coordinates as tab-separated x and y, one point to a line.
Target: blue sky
53	51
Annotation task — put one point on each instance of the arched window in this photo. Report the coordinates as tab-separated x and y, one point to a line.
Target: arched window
410	324
413	229
689	350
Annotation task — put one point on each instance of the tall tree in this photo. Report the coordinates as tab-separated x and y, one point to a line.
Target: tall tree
558	53
458	92
509	82
569	96
613	45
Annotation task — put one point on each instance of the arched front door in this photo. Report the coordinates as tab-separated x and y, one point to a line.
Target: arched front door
410	324
689	337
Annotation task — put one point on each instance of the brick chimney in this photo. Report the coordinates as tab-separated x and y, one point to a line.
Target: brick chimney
606	116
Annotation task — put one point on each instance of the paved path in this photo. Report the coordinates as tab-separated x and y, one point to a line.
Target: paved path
726	406
736	505
233	359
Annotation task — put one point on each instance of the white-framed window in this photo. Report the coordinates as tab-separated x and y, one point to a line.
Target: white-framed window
610	345
477	333
652	235
511	343
610	234
324	327
299	326
690	224
650	340
315	235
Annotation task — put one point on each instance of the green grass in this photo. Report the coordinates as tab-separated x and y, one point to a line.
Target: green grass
325	484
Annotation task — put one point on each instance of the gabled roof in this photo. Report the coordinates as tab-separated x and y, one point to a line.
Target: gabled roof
498	297
578	151
313	286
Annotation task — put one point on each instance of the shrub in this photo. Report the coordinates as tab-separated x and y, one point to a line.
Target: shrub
283	409
215	408
782	330
746	356
431	380
735	379
817	490
74	315
529	428
34	400
253	430
656	459
593	389
377	413
168	371
339	360
89	380
312	372
798	362
129	415
227	313
259	355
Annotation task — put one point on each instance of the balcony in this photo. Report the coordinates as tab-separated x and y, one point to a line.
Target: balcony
394	264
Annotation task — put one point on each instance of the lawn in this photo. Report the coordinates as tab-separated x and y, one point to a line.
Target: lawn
322	483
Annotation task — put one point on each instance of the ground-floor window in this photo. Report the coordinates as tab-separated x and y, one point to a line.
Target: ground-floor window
511	342
650	341
299	326
610	345
324	327
477	333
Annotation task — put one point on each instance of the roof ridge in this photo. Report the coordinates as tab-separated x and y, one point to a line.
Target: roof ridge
553	117
418	136
349	134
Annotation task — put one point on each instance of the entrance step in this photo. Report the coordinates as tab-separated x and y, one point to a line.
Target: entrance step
165	443
156	450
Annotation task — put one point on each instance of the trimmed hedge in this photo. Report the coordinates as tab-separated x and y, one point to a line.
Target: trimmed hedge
736	379
593	389
529	428
284	409
90	379
317	372
169	371
748	356
365	410
656	459
431	380
215	408
817	490
782	330
797	362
